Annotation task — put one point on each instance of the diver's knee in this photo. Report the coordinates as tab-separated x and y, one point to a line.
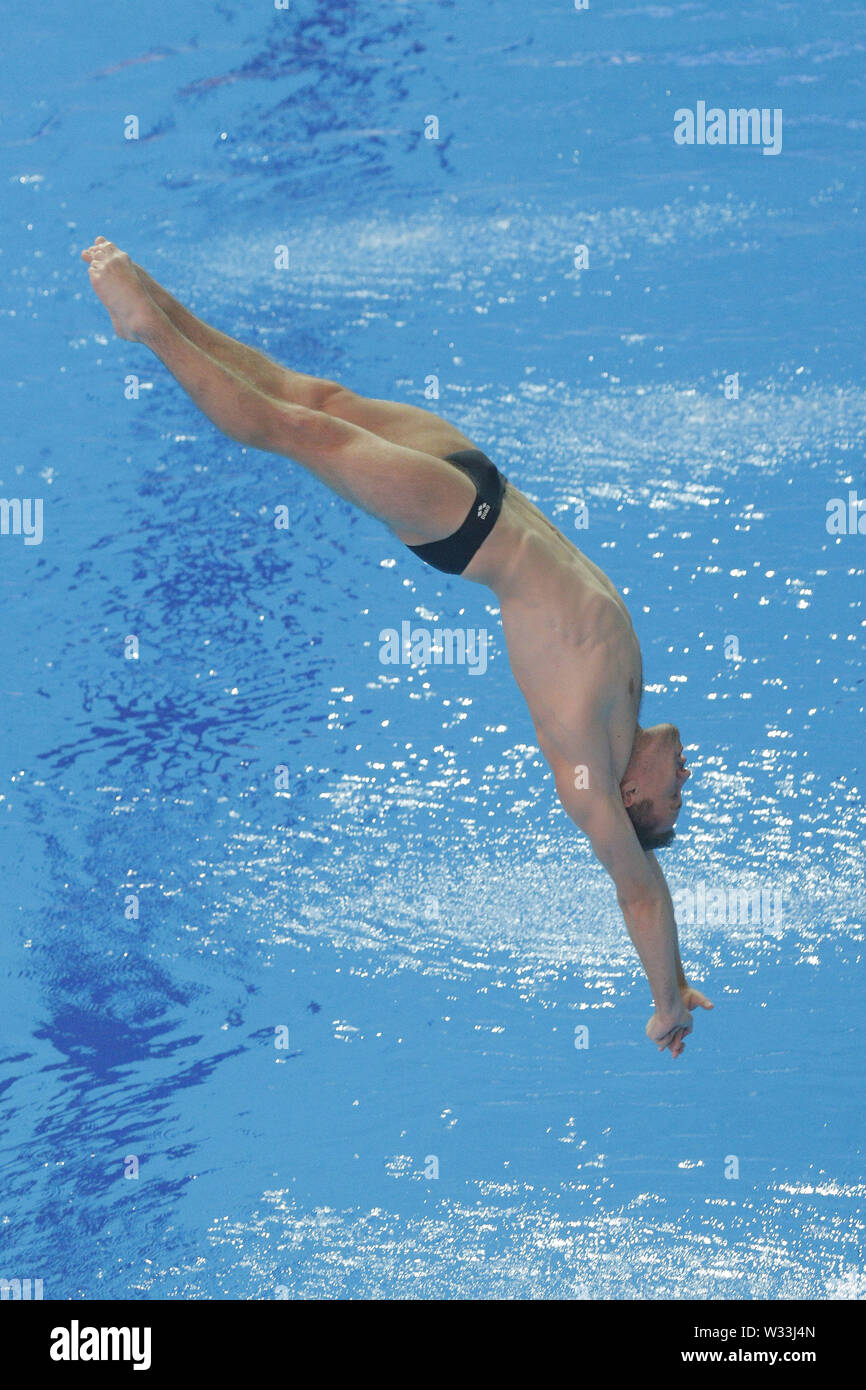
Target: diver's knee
335	399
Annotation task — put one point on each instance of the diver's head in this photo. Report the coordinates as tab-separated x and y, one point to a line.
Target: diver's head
651	786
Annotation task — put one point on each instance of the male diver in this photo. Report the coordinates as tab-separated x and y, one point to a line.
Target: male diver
571	644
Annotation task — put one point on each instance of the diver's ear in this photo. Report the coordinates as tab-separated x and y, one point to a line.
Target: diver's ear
628	791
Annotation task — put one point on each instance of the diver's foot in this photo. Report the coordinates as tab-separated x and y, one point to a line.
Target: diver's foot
114	278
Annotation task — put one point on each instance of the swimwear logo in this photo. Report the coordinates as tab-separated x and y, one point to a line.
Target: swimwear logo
736	126
440	646
483	509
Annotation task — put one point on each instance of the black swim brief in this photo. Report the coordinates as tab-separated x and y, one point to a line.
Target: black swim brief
453	554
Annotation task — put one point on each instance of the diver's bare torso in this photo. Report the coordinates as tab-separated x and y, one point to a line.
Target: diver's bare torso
571	644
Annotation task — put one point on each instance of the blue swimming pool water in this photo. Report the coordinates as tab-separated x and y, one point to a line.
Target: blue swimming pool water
410	903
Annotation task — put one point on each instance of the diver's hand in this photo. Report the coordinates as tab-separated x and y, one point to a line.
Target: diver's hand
693	999
669	1028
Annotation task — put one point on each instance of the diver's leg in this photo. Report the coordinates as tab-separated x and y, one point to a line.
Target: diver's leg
260	370
417	495
401	424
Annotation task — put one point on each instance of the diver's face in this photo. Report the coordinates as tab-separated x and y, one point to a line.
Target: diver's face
663	773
